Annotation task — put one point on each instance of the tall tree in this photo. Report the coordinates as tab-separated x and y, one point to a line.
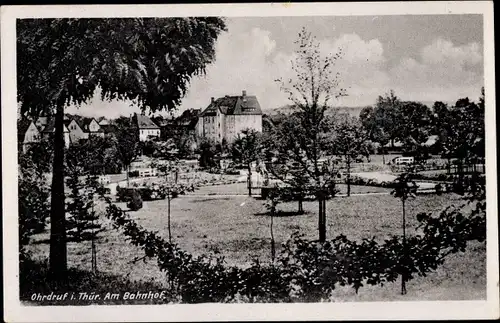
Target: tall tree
83	218
443	127
246	149
207	150
314	85
350	142
461	132
415	127
387	118
376	131
149	61
404	188
127	145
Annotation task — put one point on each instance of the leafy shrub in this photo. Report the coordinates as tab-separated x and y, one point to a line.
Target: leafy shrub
309	270
135	202
356	180
83	221
231	171
134	173
33	199
123	194
146	193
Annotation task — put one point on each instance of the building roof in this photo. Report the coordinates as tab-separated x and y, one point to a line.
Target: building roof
103	121
22	127
41	122
87	123
50	127
234	105
144	122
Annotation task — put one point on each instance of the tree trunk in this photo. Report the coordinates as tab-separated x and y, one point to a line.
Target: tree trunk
348	179
404	262
249	180
301	207
383	158
273	249
168	218
321	219
93	246
324	218
57	255
460	170
127	170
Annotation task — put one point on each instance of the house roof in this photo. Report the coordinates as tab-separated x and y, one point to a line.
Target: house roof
87	123
22	127
50	127
144	122
234	105
41	122
70	120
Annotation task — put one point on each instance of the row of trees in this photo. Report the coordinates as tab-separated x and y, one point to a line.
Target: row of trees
459	128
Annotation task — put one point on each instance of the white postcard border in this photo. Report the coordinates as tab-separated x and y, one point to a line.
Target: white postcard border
14	311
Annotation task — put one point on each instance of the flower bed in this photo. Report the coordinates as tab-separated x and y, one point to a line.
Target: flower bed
358	180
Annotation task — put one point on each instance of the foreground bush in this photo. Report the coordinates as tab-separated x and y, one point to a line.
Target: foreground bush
309	271
135	201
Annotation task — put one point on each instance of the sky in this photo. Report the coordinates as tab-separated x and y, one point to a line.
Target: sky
423	58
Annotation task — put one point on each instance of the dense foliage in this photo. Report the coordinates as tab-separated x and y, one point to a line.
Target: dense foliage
310	270
246	149
350	142
149	61
97	156
33	199
82	217
208	152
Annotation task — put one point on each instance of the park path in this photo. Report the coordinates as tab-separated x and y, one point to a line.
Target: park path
219	195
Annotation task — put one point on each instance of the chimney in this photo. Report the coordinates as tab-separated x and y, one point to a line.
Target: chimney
244	96
212	100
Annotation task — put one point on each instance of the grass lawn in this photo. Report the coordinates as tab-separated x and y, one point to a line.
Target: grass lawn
238	228
241	189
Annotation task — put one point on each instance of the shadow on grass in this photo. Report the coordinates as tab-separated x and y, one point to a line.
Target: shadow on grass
282	214
35	281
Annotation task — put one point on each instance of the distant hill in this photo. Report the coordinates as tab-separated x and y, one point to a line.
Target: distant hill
353	111
287	109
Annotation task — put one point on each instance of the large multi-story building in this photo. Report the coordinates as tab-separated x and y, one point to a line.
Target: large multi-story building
227	116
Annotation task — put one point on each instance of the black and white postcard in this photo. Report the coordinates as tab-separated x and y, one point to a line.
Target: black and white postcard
281	161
